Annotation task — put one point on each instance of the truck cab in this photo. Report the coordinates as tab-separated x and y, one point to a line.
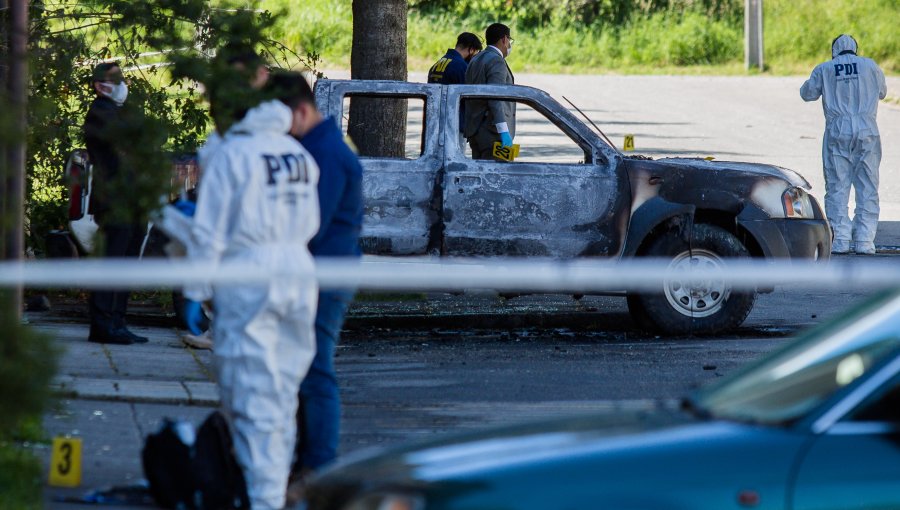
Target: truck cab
571	194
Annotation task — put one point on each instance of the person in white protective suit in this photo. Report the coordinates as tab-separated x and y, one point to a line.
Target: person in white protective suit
850	87
257	205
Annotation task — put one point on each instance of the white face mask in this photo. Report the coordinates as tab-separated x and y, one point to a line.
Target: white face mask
118	92
509	48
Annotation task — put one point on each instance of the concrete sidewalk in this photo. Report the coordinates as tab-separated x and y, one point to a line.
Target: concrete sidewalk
112	396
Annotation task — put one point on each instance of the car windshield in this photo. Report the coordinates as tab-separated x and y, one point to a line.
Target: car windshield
790	383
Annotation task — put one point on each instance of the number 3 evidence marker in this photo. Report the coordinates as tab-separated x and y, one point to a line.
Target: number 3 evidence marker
65	462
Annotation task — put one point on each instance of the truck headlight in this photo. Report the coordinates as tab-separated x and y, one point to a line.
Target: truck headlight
387	501
797	203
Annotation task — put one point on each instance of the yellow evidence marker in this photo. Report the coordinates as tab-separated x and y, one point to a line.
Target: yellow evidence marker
65	462
506	153
629	143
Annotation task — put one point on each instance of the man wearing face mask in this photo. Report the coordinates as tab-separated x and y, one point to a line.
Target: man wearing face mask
488	121
451	68
121	238
850	87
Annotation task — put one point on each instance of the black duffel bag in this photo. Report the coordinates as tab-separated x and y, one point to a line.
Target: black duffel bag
194	474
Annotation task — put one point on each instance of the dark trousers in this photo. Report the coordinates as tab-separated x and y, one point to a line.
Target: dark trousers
482	144
107	307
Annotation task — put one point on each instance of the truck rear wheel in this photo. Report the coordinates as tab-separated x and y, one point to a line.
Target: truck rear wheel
705	308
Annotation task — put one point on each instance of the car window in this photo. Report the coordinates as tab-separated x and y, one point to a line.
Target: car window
882	407
539	139
790	383
374	114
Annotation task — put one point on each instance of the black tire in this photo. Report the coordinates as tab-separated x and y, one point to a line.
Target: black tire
680	310
178	300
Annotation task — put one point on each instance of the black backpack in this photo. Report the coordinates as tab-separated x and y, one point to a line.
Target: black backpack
202	476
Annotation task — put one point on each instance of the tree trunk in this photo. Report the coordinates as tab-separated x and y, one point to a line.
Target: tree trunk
13	175
378	126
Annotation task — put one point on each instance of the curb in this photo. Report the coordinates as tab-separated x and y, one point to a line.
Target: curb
586	320
194	393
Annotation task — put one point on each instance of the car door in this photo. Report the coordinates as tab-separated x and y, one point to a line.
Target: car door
561	198
856	462
400	193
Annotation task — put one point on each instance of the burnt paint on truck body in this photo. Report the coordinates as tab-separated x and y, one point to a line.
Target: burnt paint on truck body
402	214
607	206
747	195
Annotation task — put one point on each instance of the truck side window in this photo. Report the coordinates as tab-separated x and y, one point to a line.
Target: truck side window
377	114
540	140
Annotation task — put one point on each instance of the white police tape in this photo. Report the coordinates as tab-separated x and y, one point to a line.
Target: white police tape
445	274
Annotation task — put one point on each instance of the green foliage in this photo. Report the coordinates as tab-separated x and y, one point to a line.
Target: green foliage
598	36
20	478
528	14
798	35
27	364
165	48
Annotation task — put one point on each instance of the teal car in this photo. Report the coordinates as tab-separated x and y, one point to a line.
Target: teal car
813	426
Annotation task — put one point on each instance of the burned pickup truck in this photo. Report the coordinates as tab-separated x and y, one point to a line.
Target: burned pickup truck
572	194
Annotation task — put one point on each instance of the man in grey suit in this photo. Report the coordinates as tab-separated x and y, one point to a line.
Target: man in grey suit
490	121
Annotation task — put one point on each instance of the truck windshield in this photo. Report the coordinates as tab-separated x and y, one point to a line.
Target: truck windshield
790	383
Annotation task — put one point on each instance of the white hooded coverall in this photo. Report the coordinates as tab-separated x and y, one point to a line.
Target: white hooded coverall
850	87
257	205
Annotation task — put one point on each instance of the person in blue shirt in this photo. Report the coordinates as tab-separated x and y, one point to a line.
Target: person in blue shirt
451	69
341	209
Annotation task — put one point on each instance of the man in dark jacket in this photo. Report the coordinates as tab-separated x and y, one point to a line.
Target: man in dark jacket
451	69
341	212
120	237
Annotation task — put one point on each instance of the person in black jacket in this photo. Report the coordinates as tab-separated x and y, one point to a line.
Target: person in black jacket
120	237
451	69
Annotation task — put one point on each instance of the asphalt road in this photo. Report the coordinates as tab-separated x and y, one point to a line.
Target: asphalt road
402	384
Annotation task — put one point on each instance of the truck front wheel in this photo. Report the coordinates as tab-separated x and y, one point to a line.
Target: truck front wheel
704	308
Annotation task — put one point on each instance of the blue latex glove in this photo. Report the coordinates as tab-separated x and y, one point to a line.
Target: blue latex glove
505	139
187	207
193	315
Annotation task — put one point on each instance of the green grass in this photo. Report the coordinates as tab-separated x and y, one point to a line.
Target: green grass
797	37
20	478
20	471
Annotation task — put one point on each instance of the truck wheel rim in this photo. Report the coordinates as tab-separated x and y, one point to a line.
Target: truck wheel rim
700	298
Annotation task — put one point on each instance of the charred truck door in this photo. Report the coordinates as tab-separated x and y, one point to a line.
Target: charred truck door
540	204
401	203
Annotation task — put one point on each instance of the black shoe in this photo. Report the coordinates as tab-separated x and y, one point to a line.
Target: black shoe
137	339
119	336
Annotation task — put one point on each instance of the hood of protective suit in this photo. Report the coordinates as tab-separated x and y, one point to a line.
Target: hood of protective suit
270	116
841	44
